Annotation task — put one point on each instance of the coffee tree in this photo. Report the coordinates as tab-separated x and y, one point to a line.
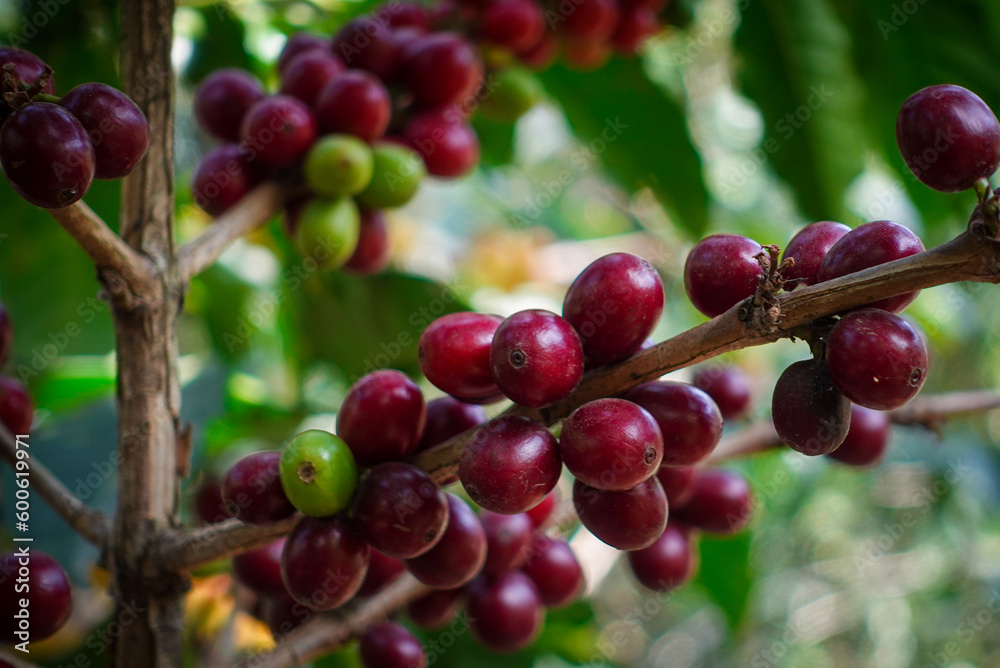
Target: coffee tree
391	468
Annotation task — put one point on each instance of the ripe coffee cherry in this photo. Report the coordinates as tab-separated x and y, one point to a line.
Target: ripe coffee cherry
629	520
208	503
47	155
278	131
508	540
117	128
540	513
591	20
553	568
949	138
460	553
355	103
869	245
721	502
810	414
867	440
308	73
514	93
635	26
283	614
678	484
367	43
729	387
435	610
39	579
505	613
611	444
510	464
721	271
381	571
298	43
449	146
223	177
808	248
543	54
389	645
614	304
455	356
448	417
666	564
586	55
400	510
382	417
516	25
338	165
222	101
371	254
318	473
536	358
6	334
260	569
28	69
408	15
442	69
324	562
397	174
253	492
689	420
877	359
17	411
328	230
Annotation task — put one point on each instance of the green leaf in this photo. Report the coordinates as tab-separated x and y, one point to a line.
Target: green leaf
496	141
629	125
796	66
724	573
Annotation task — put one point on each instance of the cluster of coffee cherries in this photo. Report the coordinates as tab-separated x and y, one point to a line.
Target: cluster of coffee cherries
26	574
52	148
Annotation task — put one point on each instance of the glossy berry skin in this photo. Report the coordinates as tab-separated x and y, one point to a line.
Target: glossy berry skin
355	103
448	417
810	414
318	473
397	174
869	245
6	334
541	512
455	356
300	43
436	609
368	44
382	570
867	440
117	128
721	503
460	554
371	254
508	541
327	230
382	417
678	483
47	155
389	645
536	358
721	271
877	359
729	387
38	578
666	564
28	69
222	101
17	411
223	177
278	131
449	147
614	304
338	165
324	562
442	69
629	520
408	15
808	248
543	54
611	444
516	25
505	613
591	20
308	73
260	569
400	510
510	464
554	569
949	138
253	492
635	26
689	420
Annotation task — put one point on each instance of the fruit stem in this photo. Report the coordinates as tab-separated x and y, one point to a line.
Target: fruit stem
989	207
45	97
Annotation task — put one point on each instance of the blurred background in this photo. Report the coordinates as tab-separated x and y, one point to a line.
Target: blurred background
746	116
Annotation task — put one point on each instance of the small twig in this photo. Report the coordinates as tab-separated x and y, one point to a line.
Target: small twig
89	523
250	213
183	550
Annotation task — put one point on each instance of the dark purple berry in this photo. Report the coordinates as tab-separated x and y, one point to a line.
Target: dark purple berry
117	128
536	357
260	569
324	562
308	73
721	503
435	610
808	248
382	570
505	613
729	387
36	579
222	101
442	69
458	556
252	489
554	569
689	420
449	146
455	356
629	520
666	564
389	645
223	177
354	103
278	131
867	440
17	411
299	43
810	414
721	271
678	483
508	541
448	417
382	417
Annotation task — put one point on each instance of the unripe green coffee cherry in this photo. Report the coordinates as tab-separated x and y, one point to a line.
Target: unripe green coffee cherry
397	175
328	231
338	165
510	94
318	473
